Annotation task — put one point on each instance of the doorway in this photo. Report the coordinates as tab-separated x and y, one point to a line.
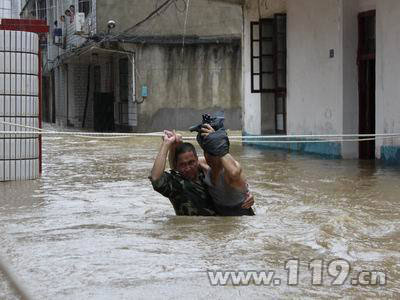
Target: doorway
366	81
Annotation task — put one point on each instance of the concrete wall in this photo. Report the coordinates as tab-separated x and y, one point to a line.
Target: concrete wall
322	91
314	80
182	86
387	77
205	18
77	96
350	10
61	103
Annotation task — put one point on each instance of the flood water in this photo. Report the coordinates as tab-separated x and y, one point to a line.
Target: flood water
93	228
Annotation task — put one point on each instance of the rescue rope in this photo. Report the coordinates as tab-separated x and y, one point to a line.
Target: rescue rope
263	139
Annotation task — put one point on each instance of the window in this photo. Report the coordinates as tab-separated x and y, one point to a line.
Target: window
123	80
268	63
84	6
255	56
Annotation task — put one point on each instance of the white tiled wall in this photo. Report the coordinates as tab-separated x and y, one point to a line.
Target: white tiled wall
19	104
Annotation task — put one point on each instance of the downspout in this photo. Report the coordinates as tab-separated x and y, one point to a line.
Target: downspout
87	97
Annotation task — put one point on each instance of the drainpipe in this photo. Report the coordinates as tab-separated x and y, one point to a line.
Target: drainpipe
87	97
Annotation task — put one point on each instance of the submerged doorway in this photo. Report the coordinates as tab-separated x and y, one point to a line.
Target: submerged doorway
366	81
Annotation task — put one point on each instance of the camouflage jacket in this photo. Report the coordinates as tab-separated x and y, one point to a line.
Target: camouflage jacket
187	197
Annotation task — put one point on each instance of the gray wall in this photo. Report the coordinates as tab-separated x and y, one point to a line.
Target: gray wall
205	18
205	78
387	71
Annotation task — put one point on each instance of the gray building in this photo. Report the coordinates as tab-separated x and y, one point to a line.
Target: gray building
184	60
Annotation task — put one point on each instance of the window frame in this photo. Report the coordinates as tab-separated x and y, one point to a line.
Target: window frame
85	6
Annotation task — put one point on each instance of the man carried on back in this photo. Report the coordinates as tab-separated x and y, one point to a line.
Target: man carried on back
186	184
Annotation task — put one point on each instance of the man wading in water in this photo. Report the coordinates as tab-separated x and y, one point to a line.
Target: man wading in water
185	184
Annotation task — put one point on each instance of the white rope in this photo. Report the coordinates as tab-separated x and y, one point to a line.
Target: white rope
283	139
233	139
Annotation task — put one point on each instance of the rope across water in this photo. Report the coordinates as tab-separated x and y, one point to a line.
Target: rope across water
285	139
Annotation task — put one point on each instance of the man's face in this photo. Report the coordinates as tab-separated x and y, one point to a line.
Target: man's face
188	165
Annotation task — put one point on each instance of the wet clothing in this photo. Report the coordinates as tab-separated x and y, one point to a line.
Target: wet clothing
227	199
188	198
216	143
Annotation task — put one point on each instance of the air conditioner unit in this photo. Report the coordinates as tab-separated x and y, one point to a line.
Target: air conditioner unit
79	23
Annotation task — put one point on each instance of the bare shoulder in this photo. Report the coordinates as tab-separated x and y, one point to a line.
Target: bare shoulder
203	164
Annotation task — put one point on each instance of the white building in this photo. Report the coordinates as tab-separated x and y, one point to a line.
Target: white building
323	67
10	9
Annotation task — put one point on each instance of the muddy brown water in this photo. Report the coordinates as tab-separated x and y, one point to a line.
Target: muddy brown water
92	227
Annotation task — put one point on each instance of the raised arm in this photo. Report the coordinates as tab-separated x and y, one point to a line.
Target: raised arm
232	168
161	159
171	155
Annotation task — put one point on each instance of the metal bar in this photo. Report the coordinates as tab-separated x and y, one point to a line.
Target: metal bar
87	98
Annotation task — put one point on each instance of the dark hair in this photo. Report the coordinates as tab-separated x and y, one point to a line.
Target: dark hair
183	148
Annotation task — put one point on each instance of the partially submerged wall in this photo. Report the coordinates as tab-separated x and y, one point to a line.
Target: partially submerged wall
184	82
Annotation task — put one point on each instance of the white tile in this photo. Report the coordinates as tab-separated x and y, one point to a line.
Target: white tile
23	85
2	156
36	168
35	69
6	148
12	149
13	80
2	32
7	62
22	145
35	102
18	59
23	104
17	104
1	162
23	169
35	41
19	40
18	170
2	102
36	146
31	169
12	170
7	41
18	149
7	170
35	85
2	65
13	62
2	81
7	105
29	63
13	40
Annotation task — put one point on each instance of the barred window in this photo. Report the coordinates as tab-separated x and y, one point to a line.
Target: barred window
85	6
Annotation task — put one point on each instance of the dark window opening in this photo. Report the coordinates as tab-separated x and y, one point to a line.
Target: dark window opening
84	6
